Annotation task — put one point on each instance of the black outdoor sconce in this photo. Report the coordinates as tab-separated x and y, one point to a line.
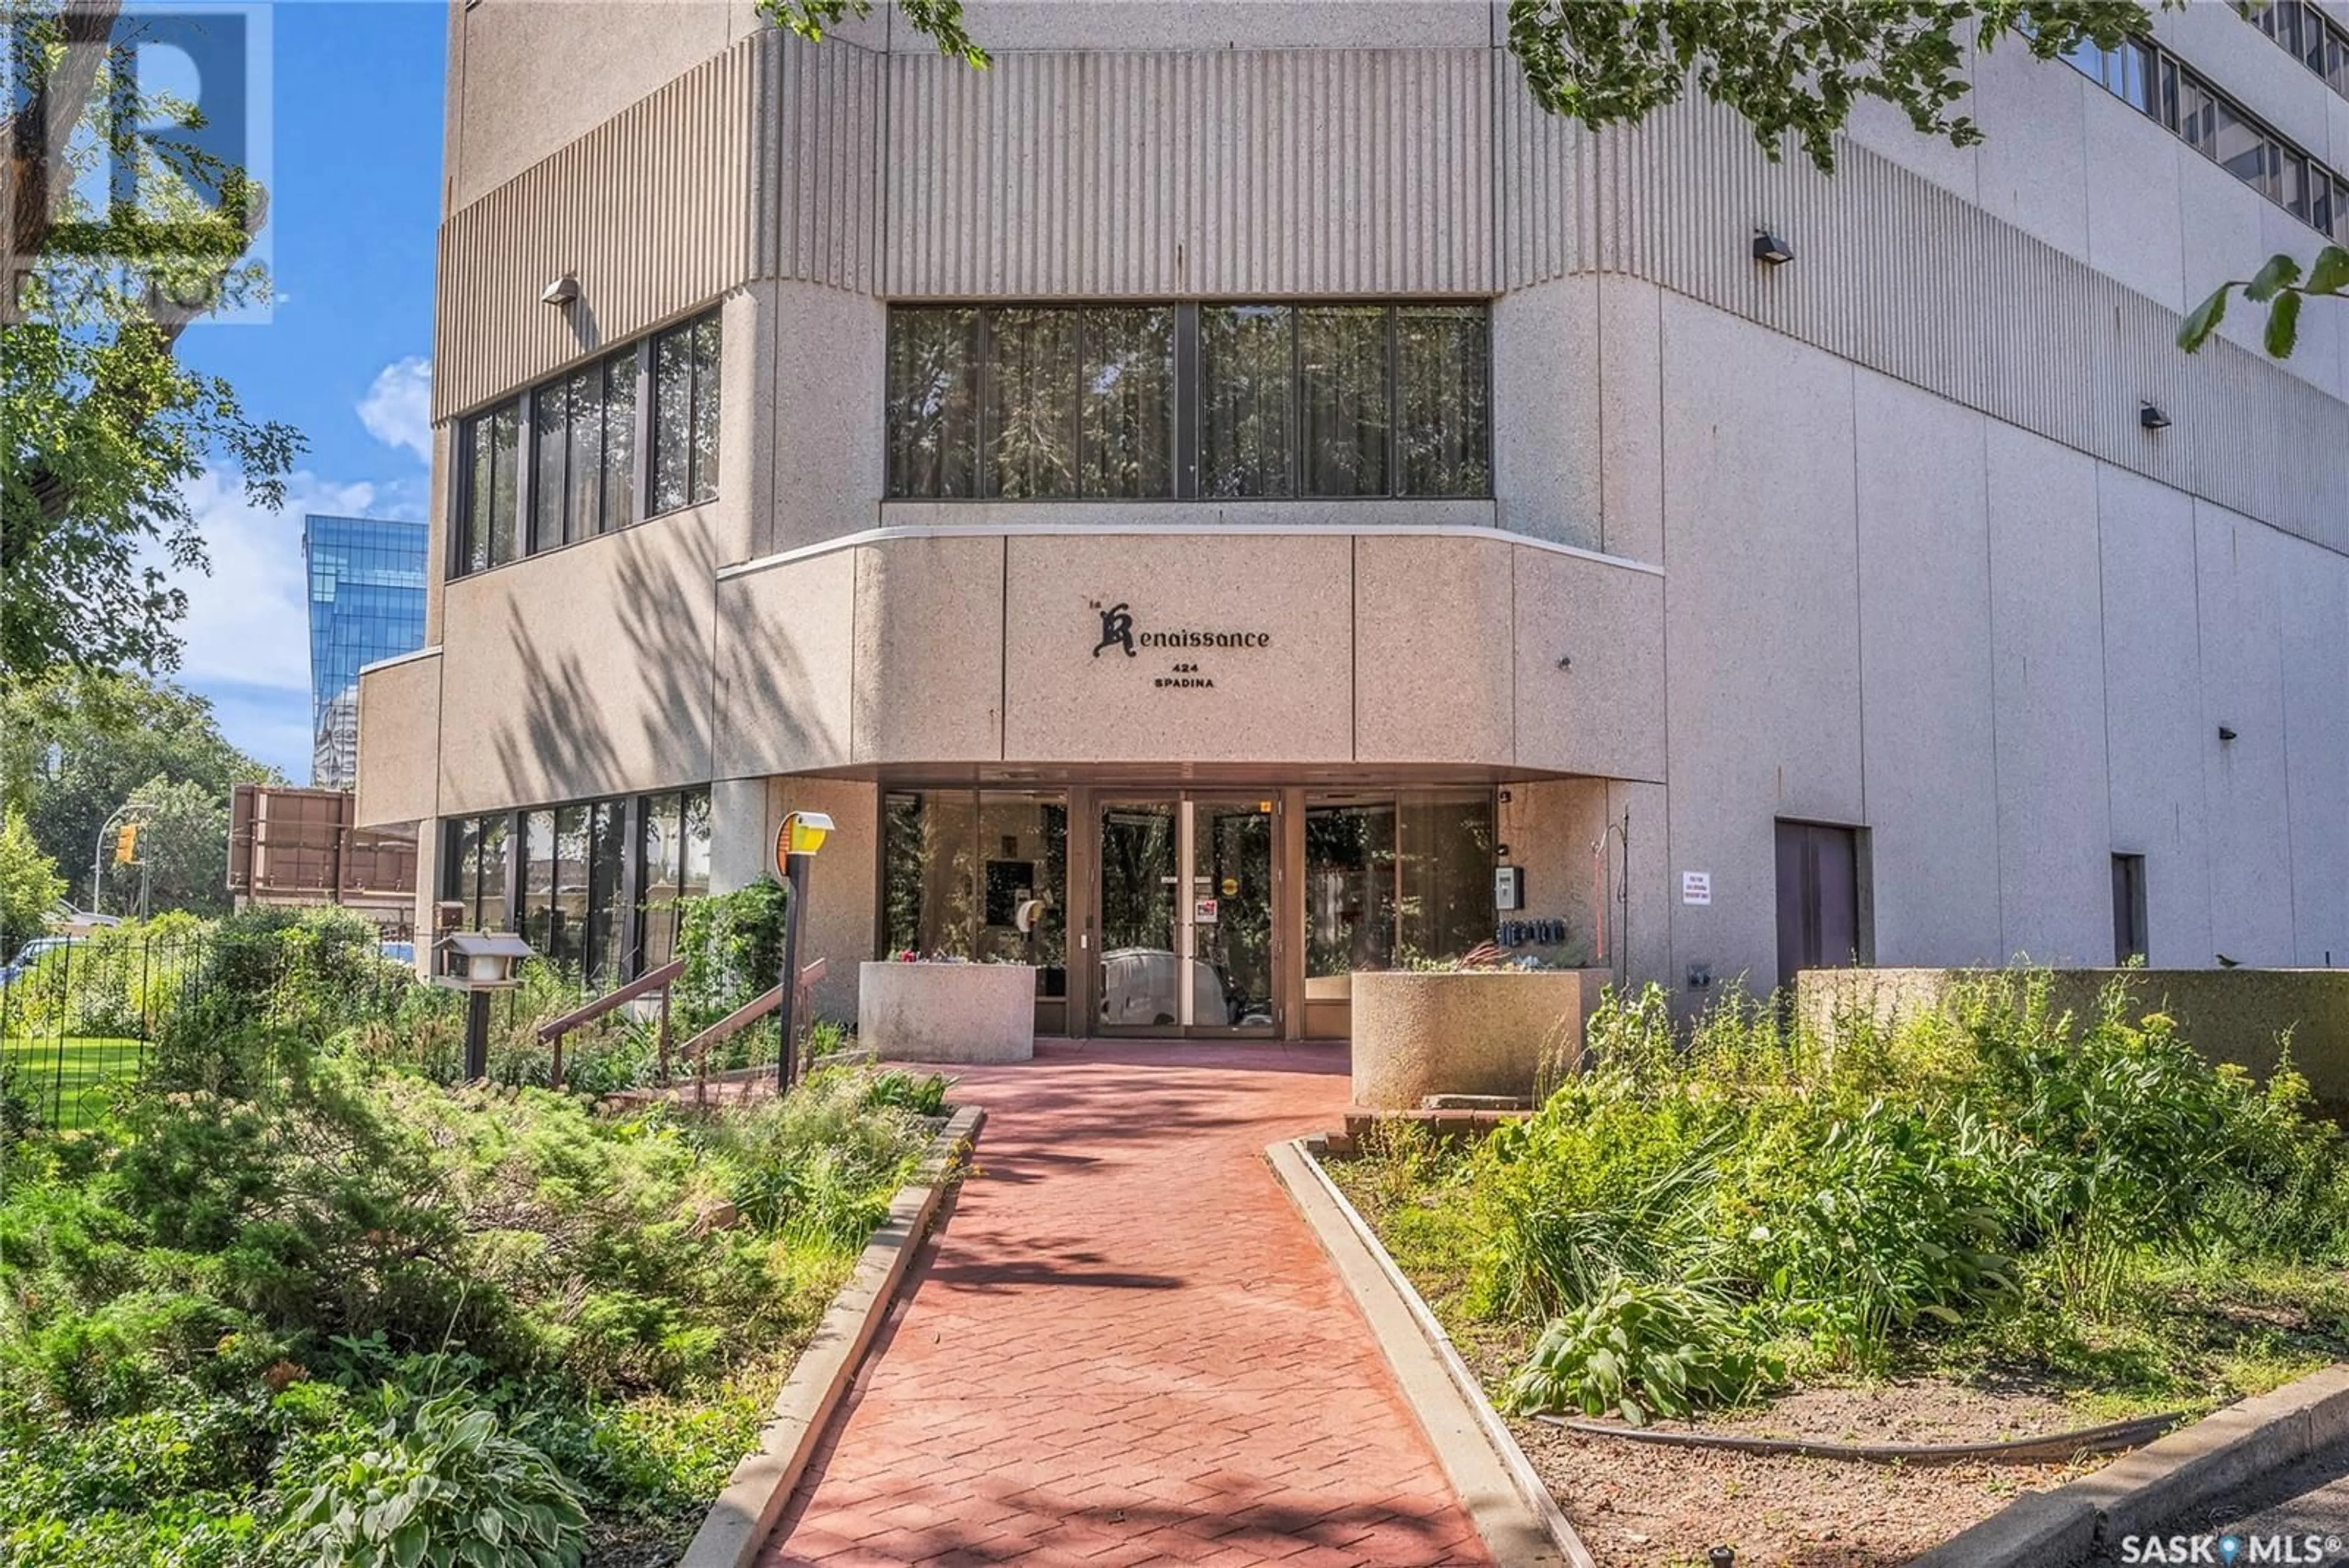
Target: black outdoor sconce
1770	249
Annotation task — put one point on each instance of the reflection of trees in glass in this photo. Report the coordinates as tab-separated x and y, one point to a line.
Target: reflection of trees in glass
1137	844
1341	366
1441	354
1247	366
1350	914
934	403
1240	940
1444	872
1031	403
1129	401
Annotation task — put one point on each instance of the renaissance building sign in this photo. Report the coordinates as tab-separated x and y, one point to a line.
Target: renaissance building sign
1117	631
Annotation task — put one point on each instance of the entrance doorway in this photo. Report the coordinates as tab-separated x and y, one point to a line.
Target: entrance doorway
1188	895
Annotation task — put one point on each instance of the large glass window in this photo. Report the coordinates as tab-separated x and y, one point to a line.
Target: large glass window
575	865
580	450
934	403
2302	30
1396	881
1330	399
582	446
486	531
684	415
977	874
1248	363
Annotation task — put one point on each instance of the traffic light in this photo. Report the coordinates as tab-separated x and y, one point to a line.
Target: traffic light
126	844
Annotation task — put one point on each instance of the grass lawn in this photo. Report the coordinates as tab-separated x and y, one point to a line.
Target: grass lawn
53	1073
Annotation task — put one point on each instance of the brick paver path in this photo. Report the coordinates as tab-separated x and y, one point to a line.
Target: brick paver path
1125	1347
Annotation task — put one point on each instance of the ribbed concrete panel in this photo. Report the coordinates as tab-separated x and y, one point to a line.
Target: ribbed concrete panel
1906	277
653	208
1223	173
819	149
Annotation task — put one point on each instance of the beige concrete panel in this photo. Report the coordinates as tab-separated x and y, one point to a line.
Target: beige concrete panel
1550	826
2055	812
819	415
1604	713
929	652
2239	604
1925	666
580	672
1545	410
741	845
2032	161
785	659
2132	194
841	917
2155	734
527	76
1639	930
1289	700
1762	619
399	741
438	494
1432	636
1631	418
1013	24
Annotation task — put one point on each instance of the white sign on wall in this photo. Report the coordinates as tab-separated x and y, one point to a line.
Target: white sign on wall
1696	886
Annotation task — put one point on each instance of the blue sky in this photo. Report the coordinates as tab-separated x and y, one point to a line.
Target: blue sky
354	172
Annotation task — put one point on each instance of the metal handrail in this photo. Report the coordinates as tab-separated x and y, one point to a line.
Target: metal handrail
653	980
698	1048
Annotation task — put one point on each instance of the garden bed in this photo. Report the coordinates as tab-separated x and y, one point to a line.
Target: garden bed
283	1299
2003	1224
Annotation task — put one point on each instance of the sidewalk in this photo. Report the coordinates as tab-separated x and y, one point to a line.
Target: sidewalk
1125	1347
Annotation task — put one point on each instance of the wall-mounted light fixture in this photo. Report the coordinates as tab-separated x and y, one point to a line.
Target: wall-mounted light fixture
564	290
2150	416
2225	733
1769	248
1566	661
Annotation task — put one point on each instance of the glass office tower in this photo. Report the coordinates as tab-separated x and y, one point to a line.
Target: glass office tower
367	602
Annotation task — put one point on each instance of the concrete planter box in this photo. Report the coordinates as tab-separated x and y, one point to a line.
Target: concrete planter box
946	1012
1467	1032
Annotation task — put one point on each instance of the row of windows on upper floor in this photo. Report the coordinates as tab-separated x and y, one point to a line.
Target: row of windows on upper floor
2150	81
2306	33
1156	400
626	437
1190	400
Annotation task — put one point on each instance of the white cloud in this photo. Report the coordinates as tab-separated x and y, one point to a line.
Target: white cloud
398	408
248	621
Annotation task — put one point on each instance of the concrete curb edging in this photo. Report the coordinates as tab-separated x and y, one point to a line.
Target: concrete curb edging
2142	1492
1511	1509
738	1522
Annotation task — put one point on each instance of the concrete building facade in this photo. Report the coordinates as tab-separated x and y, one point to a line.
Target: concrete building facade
1197	500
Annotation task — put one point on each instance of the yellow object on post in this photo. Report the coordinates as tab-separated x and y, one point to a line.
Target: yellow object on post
803	833
126	844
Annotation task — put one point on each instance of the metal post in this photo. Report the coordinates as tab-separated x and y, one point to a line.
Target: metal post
795	870
477	1035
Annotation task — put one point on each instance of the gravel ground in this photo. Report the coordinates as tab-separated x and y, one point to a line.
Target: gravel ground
1638	1505
2309	1499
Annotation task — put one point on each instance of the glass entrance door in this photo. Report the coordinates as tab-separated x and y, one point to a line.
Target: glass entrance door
1187	916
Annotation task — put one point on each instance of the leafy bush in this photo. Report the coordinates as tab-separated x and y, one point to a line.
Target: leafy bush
732	944
1863	1186
446	1488
1665	1349
923	1096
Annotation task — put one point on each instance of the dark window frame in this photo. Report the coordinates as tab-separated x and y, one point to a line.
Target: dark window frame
2177	95
1187	359
522	408
625	814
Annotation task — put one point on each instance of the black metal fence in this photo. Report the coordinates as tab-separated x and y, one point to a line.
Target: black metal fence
80	1019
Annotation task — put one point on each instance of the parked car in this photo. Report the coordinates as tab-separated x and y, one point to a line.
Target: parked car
31	954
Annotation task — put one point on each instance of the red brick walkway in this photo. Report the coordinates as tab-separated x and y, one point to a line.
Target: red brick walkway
1126	1348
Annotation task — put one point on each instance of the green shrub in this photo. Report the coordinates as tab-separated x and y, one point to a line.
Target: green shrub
924	1095
443	1488
1642	1349
732	945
